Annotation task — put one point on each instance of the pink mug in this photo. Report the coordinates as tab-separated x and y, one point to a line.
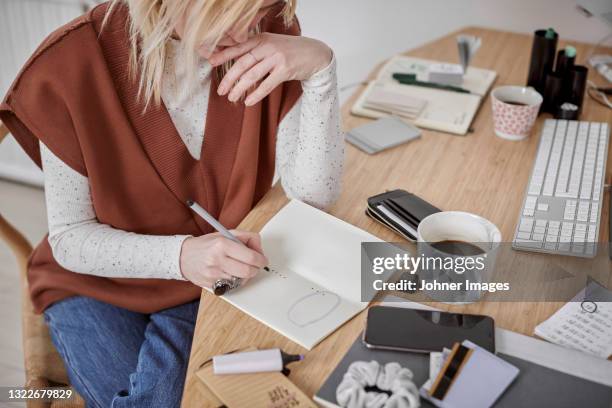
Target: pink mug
515	109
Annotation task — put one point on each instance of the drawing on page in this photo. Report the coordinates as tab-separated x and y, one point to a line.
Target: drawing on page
312	307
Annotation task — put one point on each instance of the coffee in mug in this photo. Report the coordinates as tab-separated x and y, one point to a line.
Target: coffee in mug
445	240
515	109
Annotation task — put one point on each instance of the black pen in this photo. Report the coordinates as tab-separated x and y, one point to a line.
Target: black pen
410	79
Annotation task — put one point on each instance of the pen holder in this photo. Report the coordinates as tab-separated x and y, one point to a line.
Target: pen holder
564	63
553	93
577	84
542	58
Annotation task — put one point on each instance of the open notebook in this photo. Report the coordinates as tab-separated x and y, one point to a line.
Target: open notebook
314	282
442	110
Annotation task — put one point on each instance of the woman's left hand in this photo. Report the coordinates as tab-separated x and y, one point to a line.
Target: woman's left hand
275	57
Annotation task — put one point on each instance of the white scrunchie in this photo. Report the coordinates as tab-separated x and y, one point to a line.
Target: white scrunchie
391	377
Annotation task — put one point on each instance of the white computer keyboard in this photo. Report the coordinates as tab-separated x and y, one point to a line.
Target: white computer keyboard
562	208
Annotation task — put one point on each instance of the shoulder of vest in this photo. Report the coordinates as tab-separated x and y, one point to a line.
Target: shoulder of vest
60	34
83	25
51	42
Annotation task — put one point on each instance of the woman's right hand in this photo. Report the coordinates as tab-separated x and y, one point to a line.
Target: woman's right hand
210	257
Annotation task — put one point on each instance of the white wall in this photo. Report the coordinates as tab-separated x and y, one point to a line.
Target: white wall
23	25
364	32
361	32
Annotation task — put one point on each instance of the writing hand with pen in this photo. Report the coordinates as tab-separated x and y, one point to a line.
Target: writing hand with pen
209	258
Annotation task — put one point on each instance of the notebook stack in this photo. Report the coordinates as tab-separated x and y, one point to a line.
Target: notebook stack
388	100
382	134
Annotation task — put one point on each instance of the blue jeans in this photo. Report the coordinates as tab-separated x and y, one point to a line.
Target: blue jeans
118	358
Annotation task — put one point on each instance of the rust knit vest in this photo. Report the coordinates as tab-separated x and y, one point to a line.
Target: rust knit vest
75	95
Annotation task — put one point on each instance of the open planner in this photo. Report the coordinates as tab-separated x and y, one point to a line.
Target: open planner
314	282
429	108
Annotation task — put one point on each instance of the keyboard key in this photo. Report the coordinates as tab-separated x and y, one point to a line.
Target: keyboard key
526	224
569	216
525	243
594	212
530	202
539	230
592	233
542	207
583	211
554	224
565	194
523	235
541	223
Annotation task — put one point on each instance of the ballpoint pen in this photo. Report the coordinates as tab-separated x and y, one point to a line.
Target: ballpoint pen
221	285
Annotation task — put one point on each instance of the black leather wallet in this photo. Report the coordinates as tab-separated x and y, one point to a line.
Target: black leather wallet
400	211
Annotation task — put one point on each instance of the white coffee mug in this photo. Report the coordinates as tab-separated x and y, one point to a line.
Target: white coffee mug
468	229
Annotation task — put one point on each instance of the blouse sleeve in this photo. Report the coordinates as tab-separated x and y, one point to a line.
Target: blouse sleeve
83	245
310	142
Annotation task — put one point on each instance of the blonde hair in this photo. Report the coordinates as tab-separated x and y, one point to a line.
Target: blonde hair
152	24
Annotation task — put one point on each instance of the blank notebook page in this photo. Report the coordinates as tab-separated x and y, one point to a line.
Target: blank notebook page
314	282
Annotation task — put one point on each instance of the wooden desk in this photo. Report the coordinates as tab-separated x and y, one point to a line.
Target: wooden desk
479	173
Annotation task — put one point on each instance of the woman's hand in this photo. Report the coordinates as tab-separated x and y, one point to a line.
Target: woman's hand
210	257
275	57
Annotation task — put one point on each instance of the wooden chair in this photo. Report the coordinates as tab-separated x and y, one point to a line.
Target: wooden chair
43	365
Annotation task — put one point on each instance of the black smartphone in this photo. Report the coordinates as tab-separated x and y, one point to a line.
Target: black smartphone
421	331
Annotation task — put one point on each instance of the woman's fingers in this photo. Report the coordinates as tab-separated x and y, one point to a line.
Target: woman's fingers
250	78
283	57
267	86
244	254
234	52
250	239
241	65
238	269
